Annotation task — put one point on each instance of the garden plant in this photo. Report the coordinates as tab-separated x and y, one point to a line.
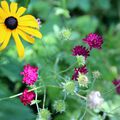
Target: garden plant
59	59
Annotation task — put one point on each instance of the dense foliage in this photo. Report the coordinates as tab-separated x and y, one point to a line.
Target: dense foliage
64	24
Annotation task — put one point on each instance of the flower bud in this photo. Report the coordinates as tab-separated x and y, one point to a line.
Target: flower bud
39	21
69	87
114	71
66	33
44	114
96	74
59	106
80	60
82	80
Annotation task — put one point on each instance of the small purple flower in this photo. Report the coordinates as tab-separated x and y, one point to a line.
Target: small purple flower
94	40
82	70
117	85
39	21
94	100
80	50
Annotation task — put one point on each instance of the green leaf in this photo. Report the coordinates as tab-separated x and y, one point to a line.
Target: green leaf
13	109
86	24
84	5
11	69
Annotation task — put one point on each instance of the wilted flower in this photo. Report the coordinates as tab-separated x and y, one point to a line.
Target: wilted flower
27	97
30	74
82	80
59	106
94	100
44	114
82	70
80	50
117	85
94	40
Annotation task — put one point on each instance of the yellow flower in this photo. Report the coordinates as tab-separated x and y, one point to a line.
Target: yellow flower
12	23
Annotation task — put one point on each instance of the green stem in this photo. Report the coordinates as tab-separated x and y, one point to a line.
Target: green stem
81	96
107	93
36	101
4	98
54	86
67	68
44	99
17	95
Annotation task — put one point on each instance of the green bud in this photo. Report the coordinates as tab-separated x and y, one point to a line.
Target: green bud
66	33
96	74
82	80
59	106
80	60
44	114
114	71
69	87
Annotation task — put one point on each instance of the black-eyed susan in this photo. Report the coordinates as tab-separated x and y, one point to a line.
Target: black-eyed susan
12	23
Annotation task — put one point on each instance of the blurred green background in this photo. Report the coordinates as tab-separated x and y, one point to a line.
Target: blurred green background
64	24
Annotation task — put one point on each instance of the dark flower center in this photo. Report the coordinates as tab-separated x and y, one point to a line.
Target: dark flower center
11	22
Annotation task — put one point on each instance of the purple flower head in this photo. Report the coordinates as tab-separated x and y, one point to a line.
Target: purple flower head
82	70
80	50
94	100
27	97
30	74
117	85
39	21
94	40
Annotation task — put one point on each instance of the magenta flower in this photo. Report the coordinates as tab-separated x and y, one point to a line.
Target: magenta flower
30	74
80	50
27	97
117	85
82	70
94	40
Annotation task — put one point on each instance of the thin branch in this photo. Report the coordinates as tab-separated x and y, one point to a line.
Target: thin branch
36	101
44	98
17	95
81	96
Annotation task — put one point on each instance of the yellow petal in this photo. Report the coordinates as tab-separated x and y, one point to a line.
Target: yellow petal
33	24
26	18
1	21
3	14
5	6
20	11
26	37
19	45
13	7
3	32
31	31
6	41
